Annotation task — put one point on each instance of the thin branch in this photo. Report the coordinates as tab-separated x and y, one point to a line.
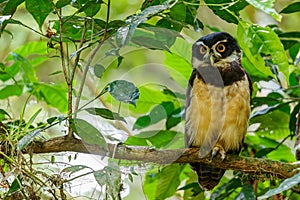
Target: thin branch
297	132
91	57
250	165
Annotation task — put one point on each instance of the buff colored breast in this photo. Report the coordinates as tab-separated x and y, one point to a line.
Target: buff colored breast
217	115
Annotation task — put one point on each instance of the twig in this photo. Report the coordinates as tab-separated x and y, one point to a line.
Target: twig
91	57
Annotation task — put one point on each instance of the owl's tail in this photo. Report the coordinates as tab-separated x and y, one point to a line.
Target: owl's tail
208	176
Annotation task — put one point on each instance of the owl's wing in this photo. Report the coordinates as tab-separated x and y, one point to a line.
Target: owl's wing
189	136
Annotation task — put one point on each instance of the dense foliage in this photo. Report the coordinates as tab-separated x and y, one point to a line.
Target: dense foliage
115	72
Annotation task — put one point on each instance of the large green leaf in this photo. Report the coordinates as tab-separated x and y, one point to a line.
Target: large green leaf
293	7
88	133
149	96
164	184
11	90
247	193
27	70
39	9
149	42
270	148
157	138
123	91
226	10
175	118
9	7
255	41
110	176
274	124
266	6
226	189
36	48
158	113
285	185
179	69
15	185
90	8
62	3
8	72
53	95
125	33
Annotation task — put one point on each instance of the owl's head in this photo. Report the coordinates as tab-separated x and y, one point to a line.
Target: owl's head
215	49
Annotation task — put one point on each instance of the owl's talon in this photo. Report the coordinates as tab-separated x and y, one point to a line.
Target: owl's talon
218	149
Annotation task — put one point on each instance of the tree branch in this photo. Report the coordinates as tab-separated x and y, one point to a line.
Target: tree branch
245	164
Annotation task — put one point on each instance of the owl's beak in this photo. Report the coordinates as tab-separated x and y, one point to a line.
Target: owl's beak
213	59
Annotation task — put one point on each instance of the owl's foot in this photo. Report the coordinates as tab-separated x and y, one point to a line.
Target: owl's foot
218	149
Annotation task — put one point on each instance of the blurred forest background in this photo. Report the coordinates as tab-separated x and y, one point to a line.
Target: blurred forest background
116	72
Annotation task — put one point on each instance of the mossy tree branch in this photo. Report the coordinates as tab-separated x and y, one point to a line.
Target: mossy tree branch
256	166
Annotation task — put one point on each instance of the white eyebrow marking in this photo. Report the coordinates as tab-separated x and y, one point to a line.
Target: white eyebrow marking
200	43
225	40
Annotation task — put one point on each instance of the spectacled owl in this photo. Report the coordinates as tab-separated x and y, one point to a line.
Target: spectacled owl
217	103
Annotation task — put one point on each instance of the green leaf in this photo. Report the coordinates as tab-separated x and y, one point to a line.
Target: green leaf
266	6
164	184
32	118
274	124
110	176
88	133
294	7
53	95
91	8
149	95
157	114
255	74
166	35
157	138
247	193
27	139
99	70
268	109
15	185
51	120
226	189
179	69
11	90
36	48
273	149
226	10
9	7
125	33
124	91
169	24
175	118
142	122
178	12
285	185
256	40
149	42
105	113
28	72
39	9
73	169
262	153
3	112
62	3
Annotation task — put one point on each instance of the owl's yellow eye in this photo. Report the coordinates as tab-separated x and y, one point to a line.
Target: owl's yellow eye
221	48
202	50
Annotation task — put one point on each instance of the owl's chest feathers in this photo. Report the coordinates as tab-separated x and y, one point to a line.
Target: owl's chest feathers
218	114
